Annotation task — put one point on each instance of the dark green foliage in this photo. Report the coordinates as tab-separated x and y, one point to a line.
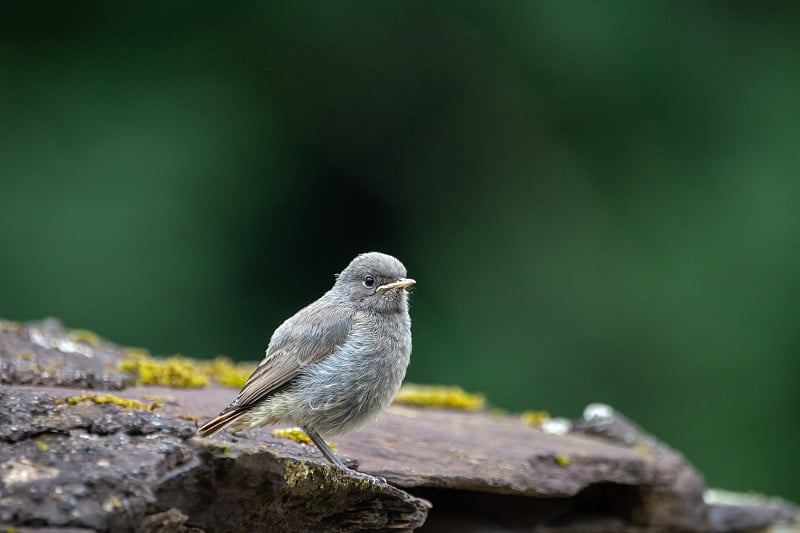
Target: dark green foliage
598	200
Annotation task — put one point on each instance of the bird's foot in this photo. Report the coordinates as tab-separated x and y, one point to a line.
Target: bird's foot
377	480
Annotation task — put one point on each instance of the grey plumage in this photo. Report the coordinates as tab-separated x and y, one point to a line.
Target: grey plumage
335	364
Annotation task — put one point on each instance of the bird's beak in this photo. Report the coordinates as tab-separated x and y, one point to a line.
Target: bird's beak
401	283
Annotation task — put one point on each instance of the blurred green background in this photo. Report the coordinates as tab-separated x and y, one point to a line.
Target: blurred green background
598	199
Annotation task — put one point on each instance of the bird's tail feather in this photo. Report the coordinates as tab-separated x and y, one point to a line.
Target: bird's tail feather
218	423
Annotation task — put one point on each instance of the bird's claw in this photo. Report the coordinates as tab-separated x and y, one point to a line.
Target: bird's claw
377	480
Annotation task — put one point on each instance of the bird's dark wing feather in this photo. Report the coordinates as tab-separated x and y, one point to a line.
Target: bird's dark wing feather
307	337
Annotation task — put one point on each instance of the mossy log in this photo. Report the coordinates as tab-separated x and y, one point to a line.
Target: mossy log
75	458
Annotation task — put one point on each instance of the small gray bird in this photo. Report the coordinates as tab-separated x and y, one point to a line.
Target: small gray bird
335	364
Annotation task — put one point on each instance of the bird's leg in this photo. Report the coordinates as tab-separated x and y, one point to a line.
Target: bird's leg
330	456
324	448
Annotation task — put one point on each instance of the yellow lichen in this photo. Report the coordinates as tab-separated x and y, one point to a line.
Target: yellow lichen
109	398
42	445
111	503
226	372
562	460
535	418
296	471
180	371
643	448
134	352
188	417
158	401
83	335
15	327
298	435
174	371
440	396
295	434
39	368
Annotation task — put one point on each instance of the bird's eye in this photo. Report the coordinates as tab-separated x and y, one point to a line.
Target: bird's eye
369	281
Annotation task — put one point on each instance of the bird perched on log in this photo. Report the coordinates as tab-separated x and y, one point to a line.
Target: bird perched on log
336	363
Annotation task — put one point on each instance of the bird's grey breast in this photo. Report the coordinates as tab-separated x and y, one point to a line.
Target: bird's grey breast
371	363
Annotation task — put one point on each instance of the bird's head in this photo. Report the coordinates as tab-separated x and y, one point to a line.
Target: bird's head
374	281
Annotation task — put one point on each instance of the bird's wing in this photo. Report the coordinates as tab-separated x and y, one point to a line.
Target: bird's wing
307	337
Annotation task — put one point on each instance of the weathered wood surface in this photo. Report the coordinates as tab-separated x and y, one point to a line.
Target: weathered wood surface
92	467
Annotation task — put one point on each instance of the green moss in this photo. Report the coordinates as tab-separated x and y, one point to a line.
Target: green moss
440	396
42	445
127	403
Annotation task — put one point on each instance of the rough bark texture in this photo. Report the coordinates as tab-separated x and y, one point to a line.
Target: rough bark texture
71	465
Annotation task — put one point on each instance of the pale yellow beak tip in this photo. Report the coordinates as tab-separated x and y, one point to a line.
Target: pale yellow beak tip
402	283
